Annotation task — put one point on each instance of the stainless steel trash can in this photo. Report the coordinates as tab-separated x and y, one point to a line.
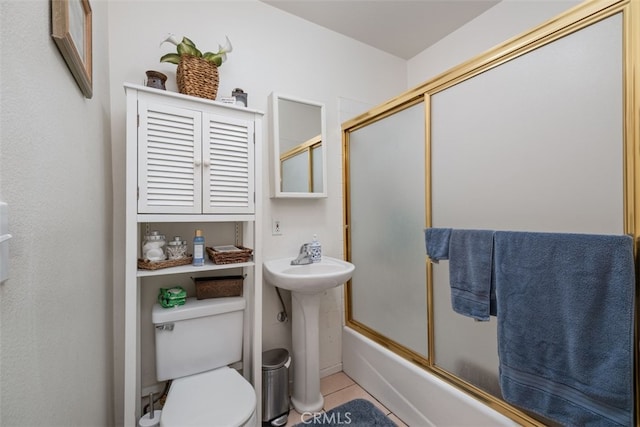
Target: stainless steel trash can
275	386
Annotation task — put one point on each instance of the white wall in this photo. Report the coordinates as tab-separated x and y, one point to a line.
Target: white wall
56	364
505	20
273	51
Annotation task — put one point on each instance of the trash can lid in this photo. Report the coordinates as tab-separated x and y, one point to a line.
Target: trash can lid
274	359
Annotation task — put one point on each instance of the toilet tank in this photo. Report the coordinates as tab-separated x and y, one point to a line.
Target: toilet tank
198	336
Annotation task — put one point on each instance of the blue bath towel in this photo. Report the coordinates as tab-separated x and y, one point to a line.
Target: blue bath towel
437	242
470	272
565	325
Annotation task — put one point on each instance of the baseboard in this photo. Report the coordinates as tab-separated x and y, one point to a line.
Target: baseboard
325	372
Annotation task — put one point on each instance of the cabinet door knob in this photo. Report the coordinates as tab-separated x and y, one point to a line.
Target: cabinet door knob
197	163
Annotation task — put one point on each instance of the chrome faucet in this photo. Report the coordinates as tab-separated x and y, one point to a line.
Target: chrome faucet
304	257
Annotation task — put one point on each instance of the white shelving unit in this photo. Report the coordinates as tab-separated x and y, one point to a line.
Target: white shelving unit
190	160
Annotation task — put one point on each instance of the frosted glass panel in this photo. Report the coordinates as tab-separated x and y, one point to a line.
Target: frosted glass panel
295	173
386	178
535	144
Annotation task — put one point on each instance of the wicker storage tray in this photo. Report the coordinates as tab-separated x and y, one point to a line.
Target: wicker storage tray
156	265
231	257
218	287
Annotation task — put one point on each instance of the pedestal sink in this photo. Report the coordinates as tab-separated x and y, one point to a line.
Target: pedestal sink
306	283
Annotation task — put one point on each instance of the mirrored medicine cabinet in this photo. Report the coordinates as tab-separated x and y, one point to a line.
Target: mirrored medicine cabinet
298	148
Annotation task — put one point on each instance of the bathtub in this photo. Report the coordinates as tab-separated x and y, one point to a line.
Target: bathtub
417	397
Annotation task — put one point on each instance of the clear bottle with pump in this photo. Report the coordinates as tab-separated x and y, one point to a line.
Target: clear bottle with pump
198	249
315	250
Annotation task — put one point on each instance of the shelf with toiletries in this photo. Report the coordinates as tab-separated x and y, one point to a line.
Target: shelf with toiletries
208	266
191	168
216	234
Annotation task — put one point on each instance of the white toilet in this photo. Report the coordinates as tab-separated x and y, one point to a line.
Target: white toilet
194	344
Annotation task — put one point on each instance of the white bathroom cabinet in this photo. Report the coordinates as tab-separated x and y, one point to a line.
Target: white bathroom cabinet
191	163
194	160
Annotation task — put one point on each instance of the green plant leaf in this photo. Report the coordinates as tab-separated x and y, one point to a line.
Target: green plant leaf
184	48
213	57
173	58
187	41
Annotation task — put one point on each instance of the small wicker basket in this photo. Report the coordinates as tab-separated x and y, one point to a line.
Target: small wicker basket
231	257
156	265
197	77
218	287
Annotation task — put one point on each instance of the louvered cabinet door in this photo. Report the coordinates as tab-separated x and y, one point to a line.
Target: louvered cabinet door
228	150
169	159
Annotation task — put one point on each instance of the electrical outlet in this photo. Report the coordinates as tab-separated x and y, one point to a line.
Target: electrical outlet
276	228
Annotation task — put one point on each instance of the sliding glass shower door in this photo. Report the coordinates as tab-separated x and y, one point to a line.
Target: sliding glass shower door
386	219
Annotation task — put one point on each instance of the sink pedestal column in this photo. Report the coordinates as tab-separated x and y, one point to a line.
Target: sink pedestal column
306	282
306	395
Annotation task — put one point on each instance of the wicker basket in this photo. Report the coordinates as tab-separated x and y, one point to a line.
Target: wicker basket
218	287
156	265
197	77
232	257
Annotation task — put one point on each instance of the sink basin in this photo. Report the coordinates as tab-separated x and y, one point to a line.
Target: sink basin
306	283
308	278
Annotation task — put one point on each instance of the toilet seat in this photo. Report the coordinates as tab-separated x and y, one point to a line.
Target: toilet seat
221	397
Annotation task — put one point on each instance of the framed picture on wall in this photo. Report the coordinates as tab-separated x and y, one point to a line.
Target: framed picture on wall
71	30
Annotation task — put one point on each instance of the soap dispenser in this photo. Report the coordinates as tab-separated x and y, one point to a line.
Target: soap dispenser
315	250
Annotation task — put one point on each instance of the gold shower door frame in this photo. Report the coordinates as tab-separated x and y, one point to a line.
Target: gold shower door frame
569	22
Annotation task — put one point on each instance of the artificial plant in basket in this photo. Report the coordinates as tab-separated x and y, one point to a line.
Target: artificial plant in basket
197	72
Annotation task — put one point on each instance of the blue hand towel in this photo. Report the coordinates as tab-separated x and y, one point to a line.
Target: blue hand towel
470	272
565	325
437	242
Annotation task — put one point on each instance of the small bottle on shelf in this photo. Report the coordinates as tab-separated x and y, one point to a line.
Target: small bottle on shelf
198	249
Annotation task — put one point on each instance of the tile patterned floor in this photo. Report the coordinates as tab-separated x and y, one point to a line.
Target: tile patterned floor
338	389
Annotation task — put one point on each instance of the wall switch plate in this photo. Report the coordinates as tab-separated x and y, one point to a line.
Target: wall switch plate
276	228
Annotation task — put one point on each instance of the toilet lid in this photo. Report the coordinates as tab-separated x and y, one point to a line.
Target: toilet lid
221	397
